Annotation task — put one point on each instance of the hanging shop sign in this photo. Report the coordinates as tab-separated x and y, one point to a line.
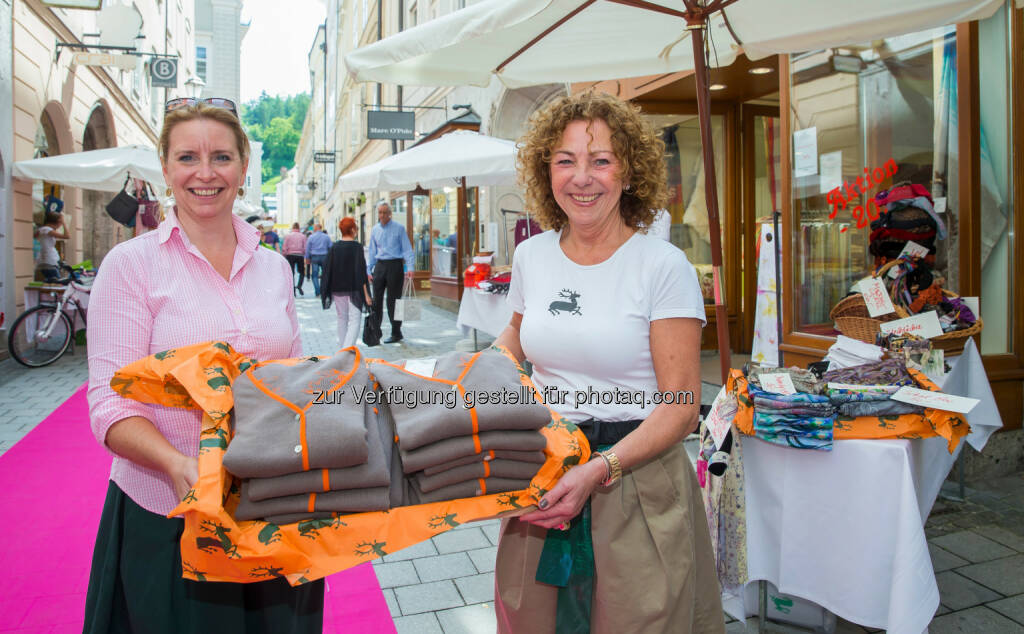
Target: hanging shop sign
163	72
323	157
397	126
124	62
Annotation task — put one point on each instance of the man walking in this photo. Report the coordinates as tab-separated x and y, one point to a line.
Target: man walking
316	254
294	249
390	251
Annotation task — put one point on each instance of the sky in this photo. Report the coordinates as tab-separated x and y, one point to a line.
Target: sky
275	50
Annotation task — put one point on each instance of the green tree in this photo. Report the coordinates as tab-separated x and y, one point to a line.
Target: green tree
276	122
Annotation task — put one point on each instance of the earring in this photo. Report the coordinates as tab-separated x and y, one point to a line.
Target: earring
628	189
241	192
167	193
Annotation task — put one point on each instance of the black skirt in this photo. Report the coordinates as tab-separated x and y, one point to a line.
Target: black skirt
135	584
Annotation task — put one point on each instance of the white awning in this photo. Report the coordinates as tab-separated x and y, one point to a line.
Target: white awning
101	170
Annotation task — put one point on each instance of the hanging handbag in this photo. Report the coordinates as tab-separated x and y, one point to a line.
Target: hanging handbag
149	208
124	206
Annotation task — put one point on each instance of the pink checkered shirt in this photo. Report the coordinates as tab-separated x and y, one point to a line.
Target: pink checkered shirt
157	291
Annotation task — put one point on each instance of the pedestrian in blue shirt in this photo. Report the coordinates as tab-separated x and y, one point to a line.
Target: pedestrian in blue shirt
390	255
316	254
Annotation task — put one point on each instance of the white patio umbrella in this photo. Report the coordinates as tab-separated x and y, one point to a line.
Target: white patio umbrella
476	158
529	42
101	170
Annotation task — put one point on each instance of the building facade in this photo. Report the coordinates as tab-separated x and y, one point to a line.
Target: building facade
59	106
218	43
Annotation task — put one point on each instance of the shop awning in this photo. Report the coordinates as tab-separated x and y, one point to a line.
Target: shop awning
529	42
101	170
480	159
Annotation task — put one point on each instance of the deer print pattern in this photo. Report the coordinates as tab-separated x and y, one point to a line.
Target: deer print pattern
570	306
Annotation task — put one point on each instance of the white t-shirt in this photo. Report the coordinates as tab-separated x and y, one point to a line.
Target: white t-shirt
47	246
586	329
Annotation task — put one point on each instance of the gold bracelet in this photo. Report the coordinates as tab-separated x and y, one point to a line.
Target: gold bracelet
614	468
607	464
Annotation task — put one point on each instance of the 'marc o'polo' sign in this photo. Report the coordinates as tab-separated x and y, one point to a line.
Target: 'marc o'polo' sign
399	126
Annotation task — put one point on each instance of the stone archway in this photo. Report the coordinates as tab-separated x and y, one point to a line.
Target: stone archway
99	232
52	138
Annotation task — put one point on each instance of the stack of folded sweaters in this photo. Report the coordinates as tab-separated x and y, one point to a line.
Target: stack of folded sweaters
318	436
305	446
451	451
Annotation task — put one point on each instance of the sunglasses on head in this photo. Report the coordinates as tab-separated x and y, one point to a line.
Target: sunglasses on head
187	102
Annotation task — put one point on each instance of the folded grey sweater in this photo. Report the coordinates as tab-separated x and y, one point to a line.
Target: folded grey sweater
278	428
444	451
375	472
536	457
349	501
487	380
490	469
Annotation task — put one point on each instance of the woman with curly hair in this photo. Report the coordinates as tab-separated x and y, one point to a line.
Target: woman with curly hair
611	318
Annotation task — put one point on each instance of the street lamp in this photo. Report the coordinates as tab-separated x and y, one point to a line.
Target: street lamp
195	86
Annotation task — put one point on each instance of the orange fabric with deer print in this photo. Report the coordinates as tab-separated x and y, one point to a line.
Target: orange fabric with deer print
216	547
934	422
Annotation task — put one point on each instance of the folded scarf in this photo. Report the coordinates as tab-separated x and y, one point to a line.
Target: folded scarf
803	380
886	407
885	372
799	397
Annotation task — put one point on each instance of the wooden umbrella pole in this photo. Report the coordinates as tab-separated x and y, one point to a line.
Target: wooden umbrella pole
711	190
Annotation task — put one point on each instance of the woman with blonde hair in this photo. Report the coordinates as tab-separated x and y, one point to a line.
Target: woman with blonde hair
345	283
199	276
601	308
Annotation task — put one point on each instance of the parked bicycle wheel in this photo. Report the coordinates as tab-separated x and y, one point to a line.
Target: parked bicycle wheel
28	341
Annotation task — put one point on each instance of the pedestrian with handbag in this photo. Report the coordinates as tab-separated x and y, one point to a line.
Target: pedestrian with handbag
390	254
345	283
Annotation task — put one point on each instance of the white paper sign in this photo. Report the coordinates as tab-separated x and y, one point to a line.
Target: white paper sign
876	297
940	205
717	422
423	367
777	383
805	152
914	250
923	325
860	388
936	400
972	303
831	171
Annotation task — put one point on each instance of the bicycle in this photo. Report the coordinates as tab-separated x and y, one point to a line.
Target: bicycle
41	334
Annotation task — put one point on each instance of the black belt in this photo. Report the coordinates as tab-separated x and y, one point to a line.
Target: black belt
604	432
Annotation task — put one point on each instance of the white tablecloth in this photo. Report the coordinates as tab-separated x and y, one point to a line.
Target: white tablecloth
845	529
52	292
486	312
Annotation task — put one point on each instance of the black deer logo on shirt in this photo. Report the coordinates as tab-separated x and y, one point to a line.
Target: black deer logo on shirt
571	306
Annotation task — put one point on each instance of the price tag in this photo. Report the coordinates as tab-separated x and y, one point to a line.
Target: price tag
923	325
423	367
940	205
914	250
876	297
936	400
777	383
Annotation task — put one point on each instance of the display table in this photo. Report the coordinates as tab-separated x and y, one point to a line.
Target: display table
845	529
486	312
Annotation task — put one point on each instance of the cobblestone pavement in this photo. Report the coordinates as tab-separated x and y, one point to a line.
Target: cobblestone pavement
445	585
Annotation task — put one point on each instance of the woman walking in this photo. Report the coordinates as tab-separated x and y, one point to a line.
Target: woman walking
345	283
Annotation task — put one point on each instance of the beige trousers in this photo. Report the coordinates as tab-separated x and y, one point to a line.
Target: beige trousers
655	571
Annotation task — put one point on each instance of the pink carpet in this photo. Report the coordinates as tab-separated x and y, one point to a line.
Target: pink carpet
52	485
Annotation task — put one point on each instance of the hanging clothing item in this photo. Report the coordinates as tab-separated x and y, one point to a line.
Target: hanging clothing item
765	349
280	428
526	228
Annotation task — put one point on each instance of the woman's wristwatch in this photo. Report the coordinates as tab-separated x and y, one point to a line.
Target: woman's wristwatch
614	467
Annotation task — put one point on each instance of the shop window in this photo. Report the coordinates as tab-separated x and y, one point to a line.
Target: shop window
687	203
871	116
997	244
444	222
